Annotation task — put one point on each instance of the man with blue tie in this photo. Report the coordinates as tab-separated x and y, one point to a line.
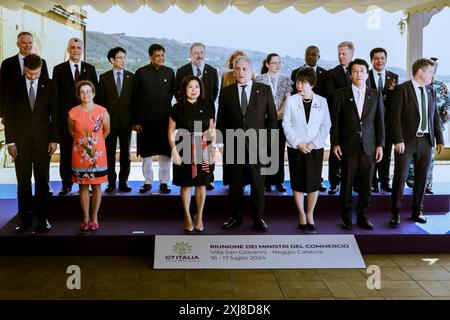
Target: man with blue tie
414	131
115	93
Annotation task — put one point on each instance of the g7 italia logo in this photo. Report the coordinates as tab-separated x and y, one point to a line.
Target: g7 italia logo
181	251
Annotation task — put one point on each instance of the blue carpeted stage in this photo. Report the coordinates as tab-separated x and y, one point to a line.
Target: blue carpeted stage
129	221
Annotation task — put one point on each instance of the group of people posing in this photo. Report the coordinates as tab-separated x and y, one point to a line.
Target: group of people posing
364	110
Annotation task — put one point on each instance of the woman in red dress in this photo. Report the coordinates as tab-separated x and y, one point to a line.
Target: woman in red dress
89	126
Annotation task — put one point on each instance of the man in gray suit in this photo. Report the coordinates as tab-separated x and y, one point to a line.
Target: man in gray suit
115	93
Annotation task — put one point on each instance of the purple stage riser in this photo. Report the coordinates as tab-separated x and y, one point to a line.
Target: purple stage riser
220	203
144	245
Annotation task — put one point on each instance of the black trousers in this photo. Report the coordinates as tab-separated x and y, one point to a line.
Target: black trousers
37	161
278	177
238	175
334	170
357	166
123	134
420	149
65	162
381	173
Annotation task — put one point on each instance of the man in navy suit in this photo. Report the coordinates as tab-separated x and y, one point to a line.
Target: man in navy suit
32	131
384	81
357	137
66	75
414	131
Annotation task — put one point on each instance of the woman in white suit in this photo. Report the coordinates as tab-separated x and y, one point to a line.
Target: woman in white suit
306	124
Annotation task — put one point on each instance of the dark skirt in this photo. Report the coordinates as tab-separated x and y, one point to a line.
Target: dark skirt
153	140
182	176
305	170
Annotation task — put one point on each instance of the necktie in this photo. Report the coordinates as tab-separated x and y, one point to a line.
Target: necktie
244	101
32	95
77	73
423	123
347	75
21	65
118	84
380	82
199	72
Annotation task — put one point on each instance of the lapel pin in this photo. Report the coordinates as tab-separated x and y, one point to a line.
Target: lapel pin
205	71
351	99
257	91
165	80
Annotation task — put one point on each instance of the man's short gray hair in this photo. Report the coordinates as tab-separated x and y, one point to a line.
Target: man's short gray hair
348	44
197	44
242	58
75	40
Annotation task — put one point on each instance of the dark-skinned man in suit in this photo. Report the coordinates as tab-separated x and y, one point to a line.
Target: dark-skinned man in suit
357	138
115	93
66	75
415	130
246	107
32	132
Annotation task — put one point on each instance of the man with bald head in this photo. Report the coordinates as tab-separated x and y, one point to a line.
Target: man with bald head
244	107
66	75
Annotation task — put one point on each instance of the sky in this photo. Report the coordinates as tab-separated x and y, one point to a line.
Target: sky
287	32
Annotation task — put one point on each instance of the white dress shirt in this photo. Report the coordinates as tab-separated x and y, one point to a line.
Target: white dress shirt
359	95
295	127
419	101
248	91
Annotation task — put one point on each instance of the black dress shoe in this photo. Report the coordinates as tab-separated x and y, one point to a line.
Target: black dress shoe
268	189
164	188
386	188
64	190
260	225
23	228
429	191
365	224
232	222
333	190
280	188
124	187
375	189
110	188
210	186
395	219
44	227
144	188
346	225
49	191
419	217
322	187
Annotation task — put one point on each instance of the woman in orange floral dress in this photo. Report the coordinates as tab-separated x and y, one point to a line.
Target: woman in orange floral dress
89	126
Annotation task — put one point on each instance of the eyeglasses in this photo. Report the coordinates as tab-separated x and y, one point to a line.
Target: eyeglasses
86	93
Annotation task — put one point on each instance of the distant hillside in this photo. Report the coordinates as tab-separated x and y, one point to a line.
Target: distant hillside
99	43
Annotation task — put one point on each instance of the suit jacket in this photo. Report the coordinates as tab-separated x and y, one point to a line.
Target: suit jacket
210	79
297	130
346	124
405	117
335	79
62	75
10	70
119	108
36	128
372	83
152	94
319	88
260	114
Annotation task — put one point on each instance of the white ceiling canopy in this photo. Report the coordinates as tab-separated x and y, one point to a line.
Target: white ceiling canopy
246	6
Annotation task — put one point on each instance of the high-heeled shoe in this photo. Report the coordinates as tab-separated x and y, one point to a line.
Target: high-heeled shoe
93	226
311	227
189	231
84	226
198	229
302	226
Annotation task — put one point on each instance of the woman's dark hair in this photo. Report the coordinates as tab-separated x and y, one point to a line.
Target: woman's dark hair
83	83
181	94
306	74
269	57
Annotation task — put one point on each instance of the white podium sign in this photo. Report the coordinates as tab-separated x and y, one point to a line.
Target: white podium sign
257	252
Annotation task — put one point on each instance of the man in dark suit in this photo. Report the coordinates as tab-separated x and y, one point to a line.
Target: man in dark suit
66	75
414	130
32	132
337	78
12	67
153	90
244	108
115	91
312	56
357	137
209	77
384	81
